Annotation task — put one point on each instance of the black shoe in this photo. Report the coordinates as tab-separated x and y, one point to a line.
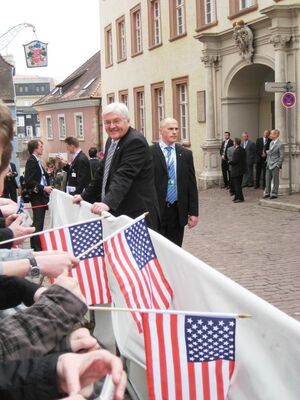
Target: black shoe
238	201
273	197
266	196
256	187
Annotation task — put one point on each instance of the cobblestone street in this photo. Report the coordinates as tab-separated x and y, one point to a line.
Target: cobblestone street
257	247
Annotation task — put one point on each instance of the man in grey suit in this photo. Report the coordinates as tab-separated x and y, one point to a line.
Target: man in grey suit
275	156
250	149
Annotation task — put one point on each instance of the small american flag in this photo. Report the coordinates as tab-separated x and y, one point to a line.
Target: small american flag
137	270
91	273
188	357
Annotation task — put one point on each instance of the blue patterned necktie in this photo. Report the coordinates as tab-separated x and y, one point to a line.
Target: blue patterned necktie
172	184
108	159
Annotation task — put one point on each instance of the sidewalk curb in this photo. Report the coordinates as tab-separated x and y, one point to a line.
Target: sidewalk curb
279	205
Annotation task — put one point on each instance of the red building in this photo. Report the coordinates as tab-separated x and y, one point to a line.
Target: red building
73	108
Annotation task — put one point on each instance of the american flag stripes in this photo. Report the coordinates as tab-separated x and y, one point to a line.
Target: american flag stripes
134	263
91	273
188	357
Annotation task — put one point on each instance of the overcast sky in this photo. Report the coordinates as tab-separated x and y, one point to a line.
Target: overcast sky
71	29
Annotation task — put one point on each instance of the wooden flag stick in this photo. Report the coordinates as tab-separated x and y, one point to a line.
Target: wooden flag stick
54	229
112	235
156	311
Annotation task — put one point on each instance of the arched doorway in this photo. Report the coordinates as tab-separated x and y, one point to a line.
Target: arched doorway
247	106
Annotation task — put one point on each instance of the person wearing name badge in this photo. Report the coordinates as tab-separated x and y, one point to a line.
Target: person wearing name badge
78	170
38	187
175	183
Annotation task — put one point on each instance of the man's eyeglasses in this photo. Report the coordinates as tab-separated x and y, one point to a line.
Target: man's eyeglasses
116	121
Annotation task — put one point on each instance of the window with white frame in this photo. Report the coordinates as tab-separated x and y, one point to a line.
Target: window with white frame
180	17
49	131
139	99
210	11
246	4
108	46
183	111
138	31
62	126
121	38
79	128
158	108
156	23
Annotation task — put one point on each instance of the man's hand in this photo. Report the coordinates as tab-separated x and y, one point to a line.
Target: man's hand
192	221
77	199
81	340
70	284
76	373
4	201
48	189
19	230
55	264
98	208
8	209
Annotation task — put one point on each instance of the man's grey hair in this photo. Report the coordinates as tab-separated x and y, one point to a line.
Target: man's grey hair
166	121
118	108
277	131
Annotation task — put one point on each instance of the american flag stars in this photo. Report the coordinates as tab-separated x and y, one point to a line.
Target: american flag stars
209	339
85	235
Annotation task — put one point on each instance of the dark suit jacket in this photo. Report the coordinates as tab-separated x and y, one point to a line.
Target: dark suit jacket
11	180
186	181
33	177
229	144
238	162
94	165
260	147
250	152
130	185
81	168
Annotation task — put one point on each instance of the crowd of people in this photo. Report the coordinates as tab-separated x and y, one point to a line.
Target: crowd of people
239	158
44	351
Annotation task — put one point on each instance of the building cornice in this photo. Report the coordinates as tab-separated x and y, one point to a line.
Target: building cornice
67	105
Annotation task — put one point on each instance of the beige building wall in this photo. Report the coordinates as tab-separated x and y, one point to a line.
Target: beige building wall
234	88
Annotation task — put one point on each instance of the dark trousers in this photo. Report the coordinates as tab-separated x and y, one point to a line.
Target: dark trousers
225	172
38	218
170	227
237	185
248	175
260	170
10	191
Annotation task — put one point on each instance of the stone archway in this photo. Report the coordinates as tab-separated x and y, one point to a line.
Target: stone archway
247	107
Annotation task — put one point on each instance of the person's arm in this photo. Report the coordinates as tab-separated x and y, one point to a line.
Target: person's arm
281	155
42	328
31	379
15	290
192	187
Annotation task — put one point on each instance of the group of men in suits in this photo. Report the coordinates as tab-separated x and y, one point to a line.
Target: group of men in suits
134	178
235	162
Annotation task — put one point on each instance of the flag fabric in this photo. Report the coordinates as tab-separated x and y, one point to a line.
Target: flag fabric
91	273
135	265
188	357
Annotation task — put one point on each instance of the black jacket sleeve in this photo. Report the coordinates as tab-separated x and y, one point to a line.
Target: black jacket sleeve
15	290
31	379
6	234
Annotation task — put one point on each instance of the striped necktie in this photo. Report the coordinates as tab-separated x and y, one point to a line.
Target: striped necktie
108	159
172	185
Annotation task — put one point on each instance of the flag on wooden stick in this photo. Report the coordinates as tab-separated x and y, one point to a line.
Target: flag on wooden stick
91	272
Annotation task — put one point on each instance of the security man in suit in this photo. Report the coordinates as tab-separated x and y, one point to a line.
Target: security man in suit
238	168
227	142
262	146
124	179
275	156
37	185
78	170
175	183
250	149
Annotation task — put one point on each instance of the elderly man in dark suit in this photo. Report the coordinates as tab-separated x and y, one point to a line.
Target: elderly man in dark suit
262	146
250	149
238	168
37	185
78	170
175	183
124	179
